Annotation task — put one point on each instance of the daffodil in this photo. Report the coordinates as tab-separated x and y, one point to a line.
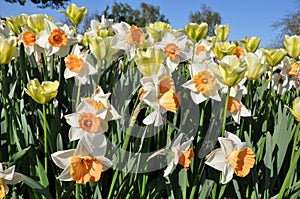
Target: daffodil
8	49
204	84
236	108
55	40
175	49
159	94
232	70
86	162
78	66
8	177
74	13
127	37
42	93
92	116
157	30
233	157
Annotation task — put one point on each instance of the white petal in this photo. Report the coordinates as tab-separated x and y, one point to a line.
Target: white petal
68	74
226	145
169	168
227	173
18	177
106	163
62	158
197	97
7	174
217	159
84	147
65	174
75	133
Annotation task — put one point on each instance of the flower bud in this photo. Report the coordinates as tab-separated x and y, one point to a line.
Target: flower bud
36	22
292	45
8	49
255	66
158	30
75	14
296	108
222	31
15	23
42	93
251	43
223	49
195	31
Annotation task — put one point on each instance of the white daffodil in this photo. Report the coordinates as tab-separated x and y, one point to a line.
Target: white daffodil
78	66
203	51
86	162
55	40
159	93
236	108
232	157
175	49
181	153
91	116
127	37
8	177
204	83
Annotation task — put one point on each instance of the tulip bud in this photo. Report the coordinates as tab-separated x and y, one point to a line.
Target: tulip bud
8	49
42	93
251	43
158	30
255	66
232	70
222	31
15	23
292	45
296	108
195	31
274	56
75	14
223	49
36	22
148	62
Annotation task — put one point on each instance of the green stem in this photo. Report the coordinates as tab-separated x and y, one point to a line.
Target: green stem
45	65
225	111
78	95
45	139
295	142
77	191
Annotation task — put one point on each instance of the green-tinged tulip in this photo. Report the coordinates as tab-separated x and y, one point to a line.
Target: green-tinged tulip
274	56
100	47
296	108
158	30
75	14
42	93
223	49
15	23
251	43
255	66
195	31
36	22
232	70
292	45
148	62
222	31
8	49
105	33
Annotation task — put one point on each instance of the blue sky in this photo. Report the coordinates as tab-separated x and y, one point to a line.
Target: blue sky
246	18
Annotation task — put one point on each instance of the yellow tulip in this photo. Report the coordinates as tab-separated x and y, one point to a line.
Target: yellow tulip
222	31
42	93
255	66
148	62
274	56
292	45
158	30
15	23
251	43
195	31
232	70
36	23
296	108
223	49
8	49
74	13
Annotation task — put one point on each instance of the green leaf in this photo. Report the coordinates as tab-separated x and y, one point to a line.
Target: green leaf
41	173
17	156
37	186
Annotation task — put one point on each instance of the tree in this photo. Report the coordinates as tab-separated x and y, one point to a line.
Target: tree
206	15
43	3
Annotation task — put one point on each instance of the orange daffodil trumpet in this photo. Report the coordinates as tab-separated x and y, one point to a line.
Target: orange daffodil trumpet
92	116
159	94
204	84
86	162
78	66
55	40
8	177
175	49
233	157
